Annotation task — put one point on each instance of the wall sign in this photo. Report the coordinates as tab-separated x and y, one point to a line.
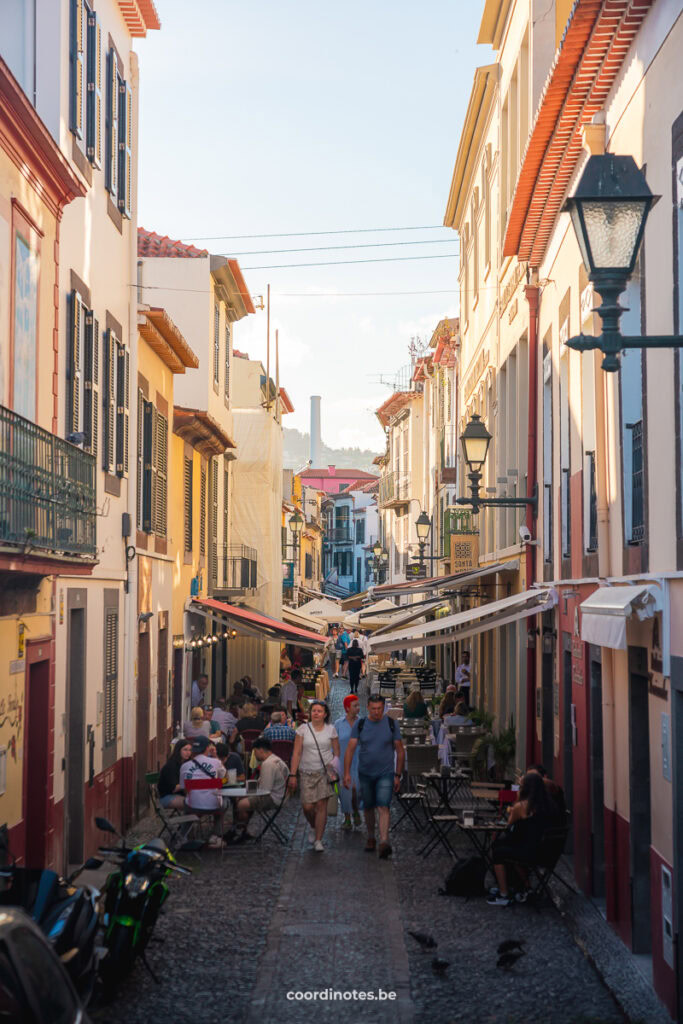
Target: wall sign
666	746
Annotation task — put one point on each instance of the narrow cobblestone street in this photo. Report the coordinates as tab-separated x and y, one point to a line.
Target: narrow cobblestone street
259	923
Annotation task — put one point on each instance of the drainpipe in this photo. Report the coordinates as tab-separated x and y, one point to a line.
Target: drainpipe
531	293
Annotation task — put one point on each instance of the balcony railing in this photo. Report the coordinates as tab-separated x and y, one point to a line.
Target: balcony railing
237	569
339	535
394	489
47	491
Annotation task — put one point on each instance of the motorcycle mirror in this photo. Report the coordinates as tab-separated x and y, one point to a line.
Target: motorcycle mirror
105	826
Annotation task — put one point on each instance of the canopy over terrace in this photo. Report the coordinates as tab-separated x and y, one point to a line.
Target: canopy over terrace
442	583
373	616
295	617
468	623
323	608
605	613
251	623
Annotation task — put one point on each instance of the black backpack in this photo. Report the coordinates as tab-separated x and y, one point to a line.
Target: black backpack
466	878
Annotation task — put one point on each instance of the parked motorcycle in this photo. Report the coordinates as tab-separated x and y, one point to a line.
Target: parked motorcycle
133	896
68	915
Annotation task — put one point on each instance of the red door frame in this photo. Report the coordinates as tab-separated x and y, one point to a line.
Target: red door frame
38	650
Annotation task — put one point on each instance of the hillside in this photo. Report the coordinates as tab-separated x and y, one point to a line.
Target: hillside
297	448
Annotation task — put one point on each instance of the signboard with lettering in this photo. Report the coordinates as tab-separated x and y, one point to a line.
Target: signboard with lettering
415	571
464	552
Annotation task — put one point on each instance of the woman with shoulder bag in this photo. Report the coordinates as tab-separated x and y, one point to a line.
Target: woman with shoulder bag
316	748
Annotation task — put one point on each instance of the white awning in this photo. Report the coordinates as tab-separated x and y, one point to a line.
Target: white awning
410	613
298	618
468	623
604	613
441	583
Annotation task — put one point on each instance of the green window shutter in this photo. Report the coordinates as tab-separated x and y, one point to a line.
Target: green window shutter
109	403
122	408
112	127
202	511
77	75
74	371
148	468
161	503
125	194
91	390
111	673
187	503
94	96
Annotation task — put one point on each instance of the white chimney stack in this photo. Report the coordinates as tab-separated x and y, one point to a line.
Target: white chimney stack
316	441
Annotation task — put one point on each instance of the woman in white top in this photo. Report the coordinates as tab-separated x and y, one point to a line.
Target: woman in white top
315	748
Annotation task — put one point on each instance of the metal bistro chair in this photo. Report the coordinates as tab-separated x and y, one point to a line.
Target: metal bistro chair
173	821
204	784
268	818
462	744
542	867
248	737
282	749
439	824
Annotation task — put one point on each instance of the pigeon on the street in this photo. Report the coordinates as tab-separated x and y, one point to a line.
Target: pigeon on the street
440	966
508	960
426	941
509	945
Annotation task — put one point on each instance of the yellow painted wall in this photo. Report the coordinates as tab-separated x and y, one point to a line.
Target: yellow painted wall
182	573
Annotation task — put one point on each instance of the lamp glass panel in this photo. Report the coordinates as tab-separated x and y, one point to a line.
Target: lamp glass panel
613	229
422	530
475	451
578	229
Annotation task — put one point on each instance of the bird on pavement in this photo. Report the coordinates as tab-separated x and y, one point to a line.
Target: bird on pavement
508	960
509	945
426	941
440	966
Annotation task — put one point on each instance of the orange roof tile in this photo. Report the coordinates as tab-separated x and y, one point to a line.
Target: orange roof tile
596	40
152	244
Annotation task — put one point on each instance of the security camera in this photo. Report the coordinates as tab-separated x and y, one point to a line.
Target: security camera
525	534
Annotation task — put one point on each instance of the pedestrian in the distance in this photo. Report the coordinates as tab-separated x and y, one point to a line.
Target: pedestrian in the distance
379	742
463	675
355	658
343	660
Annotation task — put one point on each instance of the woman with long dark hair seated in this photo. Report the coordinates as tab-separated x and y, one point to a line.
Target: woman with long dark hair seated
171	793
529	817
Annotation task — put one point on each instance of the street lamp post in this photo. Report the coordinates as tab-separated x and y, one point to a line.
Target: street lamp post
379	557
423	525
296	525
475	441
609	210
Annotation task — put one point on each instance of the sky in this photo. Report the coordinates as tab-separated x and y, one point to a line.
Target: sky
291	117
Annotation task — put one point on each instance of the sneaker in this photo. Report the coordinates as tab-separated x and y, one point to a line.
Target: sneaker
494	891
499	900
357	821
311	835
214	843
521	896
318	846
384	851
346	824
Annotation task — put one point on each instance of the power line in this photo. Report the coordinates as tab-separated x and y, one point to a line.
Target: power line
358	245
340	263
299	234
342	295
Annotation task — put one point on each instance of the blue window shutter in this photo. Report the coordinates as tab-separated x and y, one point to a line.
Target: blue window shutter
94	98
77	90
125	149
112	127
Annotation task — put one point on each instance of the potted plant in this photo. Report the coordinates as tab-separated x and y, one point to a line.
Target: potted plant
493	754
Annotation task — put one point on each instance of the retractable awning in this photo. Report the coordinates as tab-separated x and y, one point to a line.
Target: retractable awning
441	583
605	612
411	613
251	623
468	623
323	608
378	614
295	617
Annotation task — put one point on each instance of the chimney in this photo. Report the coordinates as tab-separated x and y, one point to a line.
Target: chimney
316	442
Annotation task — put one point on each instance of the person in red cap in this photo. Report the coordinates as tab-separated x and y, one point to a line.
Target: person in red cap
349	797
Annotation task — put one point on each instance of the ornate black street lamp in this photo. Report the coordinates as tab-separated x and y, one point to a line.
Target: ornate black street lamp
475	441
423	525
609	210
380	556
296	525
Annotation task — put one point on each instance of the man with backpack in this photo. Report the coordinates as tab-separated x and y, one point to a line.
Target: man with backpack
378	739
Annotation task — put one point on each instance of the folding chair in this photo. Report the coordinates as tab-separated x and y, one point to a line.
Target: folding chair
248	737
270	822
173	821
421	758
440	825
542	868
194	785
283	749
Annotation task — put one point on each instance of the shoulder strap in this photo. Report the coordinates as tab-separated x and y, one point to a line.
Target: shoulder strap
202	768
310	729
361	723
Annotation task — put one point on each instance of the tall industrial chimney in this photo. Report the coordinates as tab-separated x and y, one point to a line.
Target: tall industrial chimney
316	441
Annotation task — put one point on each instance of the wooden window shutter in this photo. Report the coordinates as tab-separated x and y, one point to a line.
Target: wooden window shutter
148	467
224	546
202	511
122	408
140	457
214	518
75	374
91	389
227	361
187	504
112	127
125	202
109	403
111	673
161	475
94	97
216	344
77	57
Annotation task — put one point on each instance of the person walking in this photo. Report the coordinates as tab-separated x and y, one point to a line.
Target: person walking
343	663
463	676
378	738
349	796
354	657
315	748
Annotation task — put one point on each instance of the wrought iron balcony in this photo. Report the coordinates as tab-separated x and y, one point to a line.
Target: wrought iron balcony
339	535
235	570
47	492
394	490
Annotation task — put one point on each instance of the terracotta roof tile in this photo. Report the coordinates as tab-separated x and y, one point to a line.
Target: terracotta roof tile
152	244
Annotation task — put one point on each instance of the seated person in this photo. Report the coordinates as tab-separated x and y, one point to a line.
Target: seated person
415	707
273	775
529	817
171	793
555	791
302	707
278	728
460	716
197	726
248	688
448	702
249	719
206	801
230	760
226	720
237	693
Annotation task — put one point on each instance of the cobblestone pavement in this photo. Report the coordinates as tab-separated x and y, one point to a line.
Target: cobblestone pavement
258	923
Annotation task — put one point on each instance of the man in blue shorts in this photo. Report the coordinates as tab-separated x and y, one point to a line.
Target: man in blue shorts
378	738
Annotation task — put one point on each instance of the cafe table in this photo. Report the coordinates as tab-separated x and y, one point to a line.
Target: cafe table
482	834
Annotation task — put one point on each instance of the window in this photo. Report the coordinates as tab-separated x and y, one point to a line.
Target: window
111	673
154	437
548	496
308	566
226	488
486	191
631	396
591	502
109	401
475	246
202	511
360	531
565	466
119	137
24	337
122	407
677	167
187	504
140	457
111	174
161	451
78	31
216	344
213	550
83	409
227	361
94	93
